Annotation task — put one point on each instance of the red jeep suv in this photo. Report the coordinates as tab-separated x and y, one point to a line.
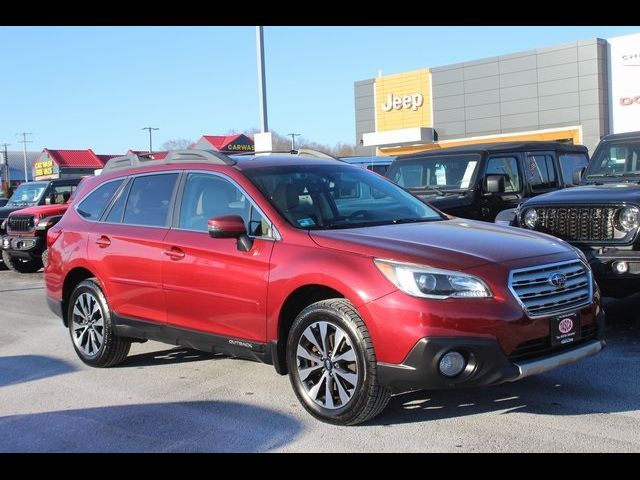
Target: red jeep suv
331	273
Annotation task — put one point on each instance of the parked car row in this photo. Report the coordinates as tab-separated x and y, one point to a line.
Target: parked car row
354	286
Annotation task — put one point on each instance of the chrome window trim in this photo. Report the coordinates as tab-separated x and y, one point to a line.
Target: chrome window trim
573	308
276	236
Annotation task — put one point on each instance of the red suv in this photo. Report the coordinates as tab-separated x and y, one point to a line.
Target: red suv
330	272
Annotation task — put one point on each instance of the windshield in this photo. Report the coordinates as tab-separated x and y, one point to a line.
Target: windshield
328	196
28	193
617	159
446	172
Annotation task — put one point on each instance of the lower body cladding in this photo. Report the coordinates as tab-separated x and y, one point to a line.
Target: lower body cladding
449	362
28	248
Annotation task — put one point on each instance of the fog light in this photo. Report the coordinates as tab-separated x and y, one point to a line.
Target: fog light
451	364
621	267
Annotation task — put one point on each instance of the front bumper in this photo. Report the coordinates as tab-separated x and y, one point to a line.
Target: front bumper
487	364
28	248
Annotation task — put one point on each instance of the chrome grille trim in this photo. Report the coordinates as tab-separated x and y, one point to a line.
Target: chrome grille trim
588	223
531	288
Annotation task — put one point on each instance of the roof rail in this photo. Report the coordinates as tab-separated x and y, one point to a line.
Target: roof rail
308	152
174	156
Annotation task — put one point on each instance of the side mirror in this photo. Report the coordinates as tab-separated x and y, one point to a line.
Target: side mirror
577	176
230	226
494	184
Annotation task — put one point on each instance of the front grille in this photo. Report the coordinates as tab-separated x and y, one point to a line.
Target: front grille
21	223
533	287
577	223
540	347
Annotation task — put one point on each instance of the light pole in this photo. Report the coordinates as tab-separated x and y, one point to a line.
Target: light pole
150	140
5	174
24	142
262	88
293	139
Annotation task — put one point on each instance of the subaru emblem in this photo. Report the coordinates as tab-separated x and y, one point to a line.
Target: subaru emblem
557	279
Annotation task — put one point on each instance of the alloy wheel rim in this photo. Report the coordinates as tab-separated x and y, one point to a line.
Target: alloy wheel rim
87	324
328	367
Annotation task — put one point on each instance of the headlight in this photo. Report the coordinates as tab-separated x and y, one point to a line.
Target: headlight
628	218
531	218
428	282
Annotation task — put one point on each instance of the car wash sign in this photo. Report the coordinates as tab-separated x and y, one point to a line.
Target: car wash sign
624	57
45	168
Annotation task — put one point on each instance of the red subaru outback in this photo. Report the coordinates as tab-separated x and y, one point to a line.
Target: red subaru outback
329	272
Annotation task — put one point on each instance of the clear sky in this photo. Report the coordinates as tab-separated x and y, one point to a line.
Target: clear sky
96	87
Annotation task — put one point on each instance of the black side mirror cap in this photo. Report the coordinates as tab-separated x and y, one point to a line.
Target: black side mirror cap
494	184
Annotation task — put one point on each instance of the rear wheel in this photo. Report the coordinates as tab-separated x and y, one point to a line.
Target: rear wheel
332	365
20	265
91	329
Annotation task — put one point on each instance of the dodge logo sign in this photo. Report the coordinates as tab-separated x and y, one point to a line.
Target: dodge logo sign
557	280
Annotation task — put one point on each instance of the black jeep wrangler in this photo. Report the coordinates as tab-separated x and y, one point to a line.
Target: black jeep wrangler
479	181
601	217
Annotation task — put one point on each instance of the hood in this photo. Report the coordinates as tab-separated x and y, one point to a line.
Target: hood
591	194
43	211
5	211
456	244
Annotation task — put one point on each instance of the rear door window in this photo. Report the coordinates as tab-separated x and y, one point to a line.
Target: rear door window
93	205
149	200
541	172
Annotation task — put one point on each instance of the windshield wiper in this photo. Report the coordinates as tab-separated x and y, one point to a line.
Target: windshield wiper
409	220
435	190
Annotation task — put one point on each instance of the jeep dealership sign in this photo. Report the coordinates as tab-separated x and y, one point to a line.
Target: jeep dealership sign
624	60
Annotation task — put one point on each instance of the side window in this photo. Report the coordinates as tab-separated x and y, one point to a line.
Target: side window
149	199
541	172
115	214
569	163
93	205
61	193
506	166
207	196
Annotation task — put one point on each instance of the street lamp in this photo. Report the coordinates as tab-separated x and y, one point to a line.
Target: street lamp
150	139
293	139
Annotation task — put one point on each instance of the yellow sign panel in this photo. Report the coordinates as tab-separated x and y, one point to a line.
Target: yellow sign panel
403	100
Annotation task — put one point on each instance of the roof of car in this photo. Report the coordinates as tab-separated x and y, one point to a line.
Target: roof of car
497	147
368	159
247	162
620	136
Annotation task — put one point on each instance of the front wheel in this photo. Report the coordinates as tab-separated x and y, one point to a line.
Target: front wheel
91	328
332	365
19	265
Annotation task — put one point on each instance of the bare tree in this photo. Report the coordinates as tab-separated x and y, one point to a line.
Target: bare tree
177	144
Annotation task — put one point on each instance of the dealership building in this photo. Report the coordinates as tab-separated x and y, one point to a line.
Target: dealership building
575	92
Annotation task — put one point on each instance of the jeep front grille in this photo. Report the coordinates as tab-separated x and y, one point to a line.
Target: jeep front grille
20	223
539	297
577	223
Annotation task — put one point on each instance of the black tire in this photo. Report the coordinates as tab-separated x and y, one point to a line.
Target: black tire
367	397
45	258
113	349
19	265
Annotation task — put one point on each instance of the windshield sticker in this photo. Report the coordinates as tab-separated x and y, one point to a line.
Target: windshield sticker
306	222
468	173
441	175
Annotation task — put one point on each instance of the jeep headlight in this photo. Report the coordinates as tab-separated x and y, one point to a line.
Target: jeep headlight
531	218
628	218
428	282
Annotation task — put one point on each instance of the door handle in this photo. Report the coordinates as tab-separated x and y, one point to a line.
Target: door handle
103	241
174	254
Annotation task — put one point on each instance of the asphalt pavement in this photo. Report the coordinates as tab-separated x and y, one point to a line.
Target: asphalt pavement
170	399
